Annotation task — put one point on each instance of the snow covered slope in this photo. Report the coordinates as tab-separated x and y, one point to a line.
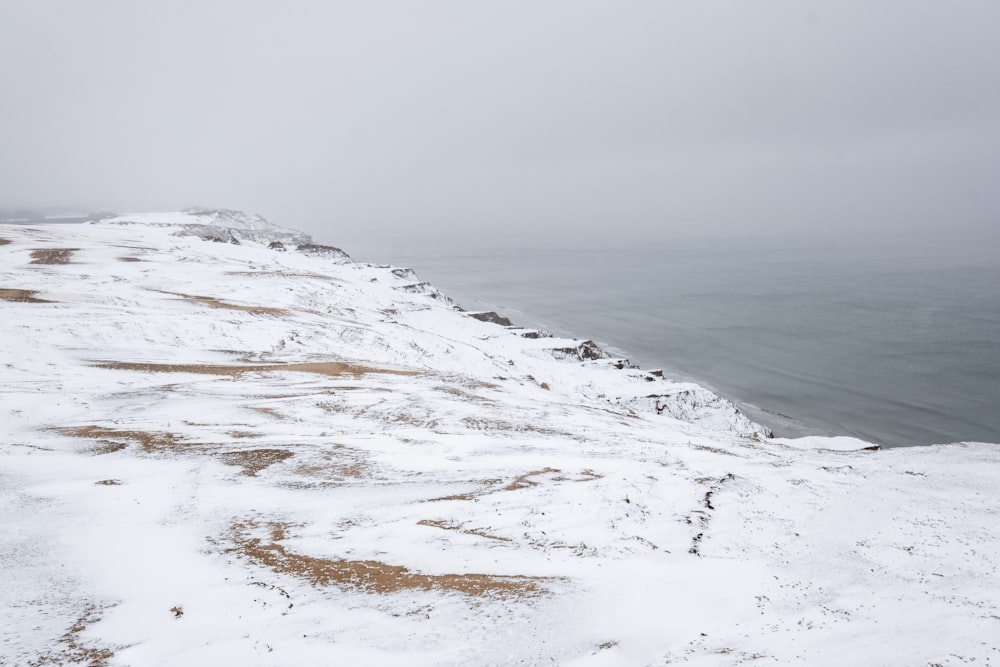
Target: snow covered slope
258	452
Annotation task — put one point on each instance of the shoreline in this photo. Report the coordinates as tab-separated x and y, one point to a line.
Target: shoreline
881	413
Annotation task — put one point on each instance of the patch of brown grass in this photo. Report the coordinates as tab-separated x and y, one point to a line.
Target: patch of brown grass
21	296
528	479
108	447
332	368
212	302
129	259
71	650
459	528
367	576
254	460
457	496
485	424
241	435
714	450
283	274
525	480
340	463
270	412
109	482
52	255
148	442
466	396
4	242
414	420
584	476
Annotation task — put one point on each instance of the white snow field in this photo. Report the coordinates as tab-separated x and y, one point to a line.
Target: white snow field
228	453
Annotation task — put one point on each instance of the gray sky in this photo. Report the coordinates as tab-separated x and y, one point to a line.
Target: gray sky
388	118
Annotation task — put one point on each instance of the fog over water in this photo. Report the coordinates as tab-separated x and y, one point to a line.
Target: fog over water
769	132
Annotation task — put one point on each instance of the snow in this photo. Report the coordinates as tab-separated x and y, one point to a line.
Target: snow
244	454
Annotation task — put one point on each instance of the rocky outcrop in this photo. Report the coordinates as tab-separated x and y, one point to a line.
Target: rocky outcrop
492	317
588	350
319	250
697	405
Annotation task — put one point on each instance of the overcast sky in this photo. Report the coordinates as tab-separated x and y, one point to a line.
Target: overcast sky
384	118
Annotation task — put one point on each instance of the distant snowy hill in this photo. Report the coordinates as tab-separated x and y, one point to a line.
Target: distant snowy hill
222	443
215	225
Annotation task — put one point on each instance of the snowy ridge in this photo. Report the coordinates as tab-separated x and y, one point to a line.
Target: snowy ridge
216	224
261	453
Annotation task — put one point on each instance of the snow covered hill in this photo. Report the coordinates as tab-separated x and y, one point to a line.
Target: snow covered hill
221	443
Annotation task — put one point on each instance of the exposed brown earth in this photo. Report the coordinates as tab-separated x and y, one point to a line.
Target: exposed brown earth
457	496
70	650
148	442
528	479
333	368
52	255
340	463
129	259
283	274
212	302
254	460
21	296
500	425
457	527
108	447
525	480
242	435
4	242
585	476
368	576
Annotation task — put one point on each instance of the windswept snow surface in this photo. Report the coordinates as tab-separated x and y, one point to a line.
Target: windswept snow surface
248	453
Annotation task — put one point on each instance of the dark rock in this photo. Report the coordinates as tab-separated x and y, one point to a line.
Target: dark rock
405	274
535	333
588	350
426	289
491	317
323	251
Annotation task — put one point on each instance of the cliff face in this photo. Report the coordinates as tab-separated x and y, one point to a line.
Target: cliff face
259	452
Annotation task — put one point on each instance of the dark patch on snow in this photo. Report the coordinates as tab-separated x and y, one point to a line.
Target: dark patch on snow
405	274
535	333
703	517
320	250
492	317
588	350
426	289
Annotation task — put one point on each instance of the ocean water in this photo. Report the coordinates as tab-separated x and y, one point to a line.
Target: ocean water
896	346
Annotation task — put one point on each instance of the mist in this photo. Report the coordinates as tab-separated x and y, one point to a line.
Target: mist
389	122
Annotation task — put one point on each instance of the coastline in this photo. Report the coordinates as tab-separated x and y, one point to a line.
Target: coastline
781	426
894	357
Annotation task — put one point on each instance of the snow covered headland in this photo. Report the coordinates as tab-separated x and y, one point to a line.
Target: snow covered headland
221	443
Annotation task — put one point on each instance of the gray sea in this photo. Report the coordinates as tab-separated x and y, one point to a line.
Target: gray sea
899	346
